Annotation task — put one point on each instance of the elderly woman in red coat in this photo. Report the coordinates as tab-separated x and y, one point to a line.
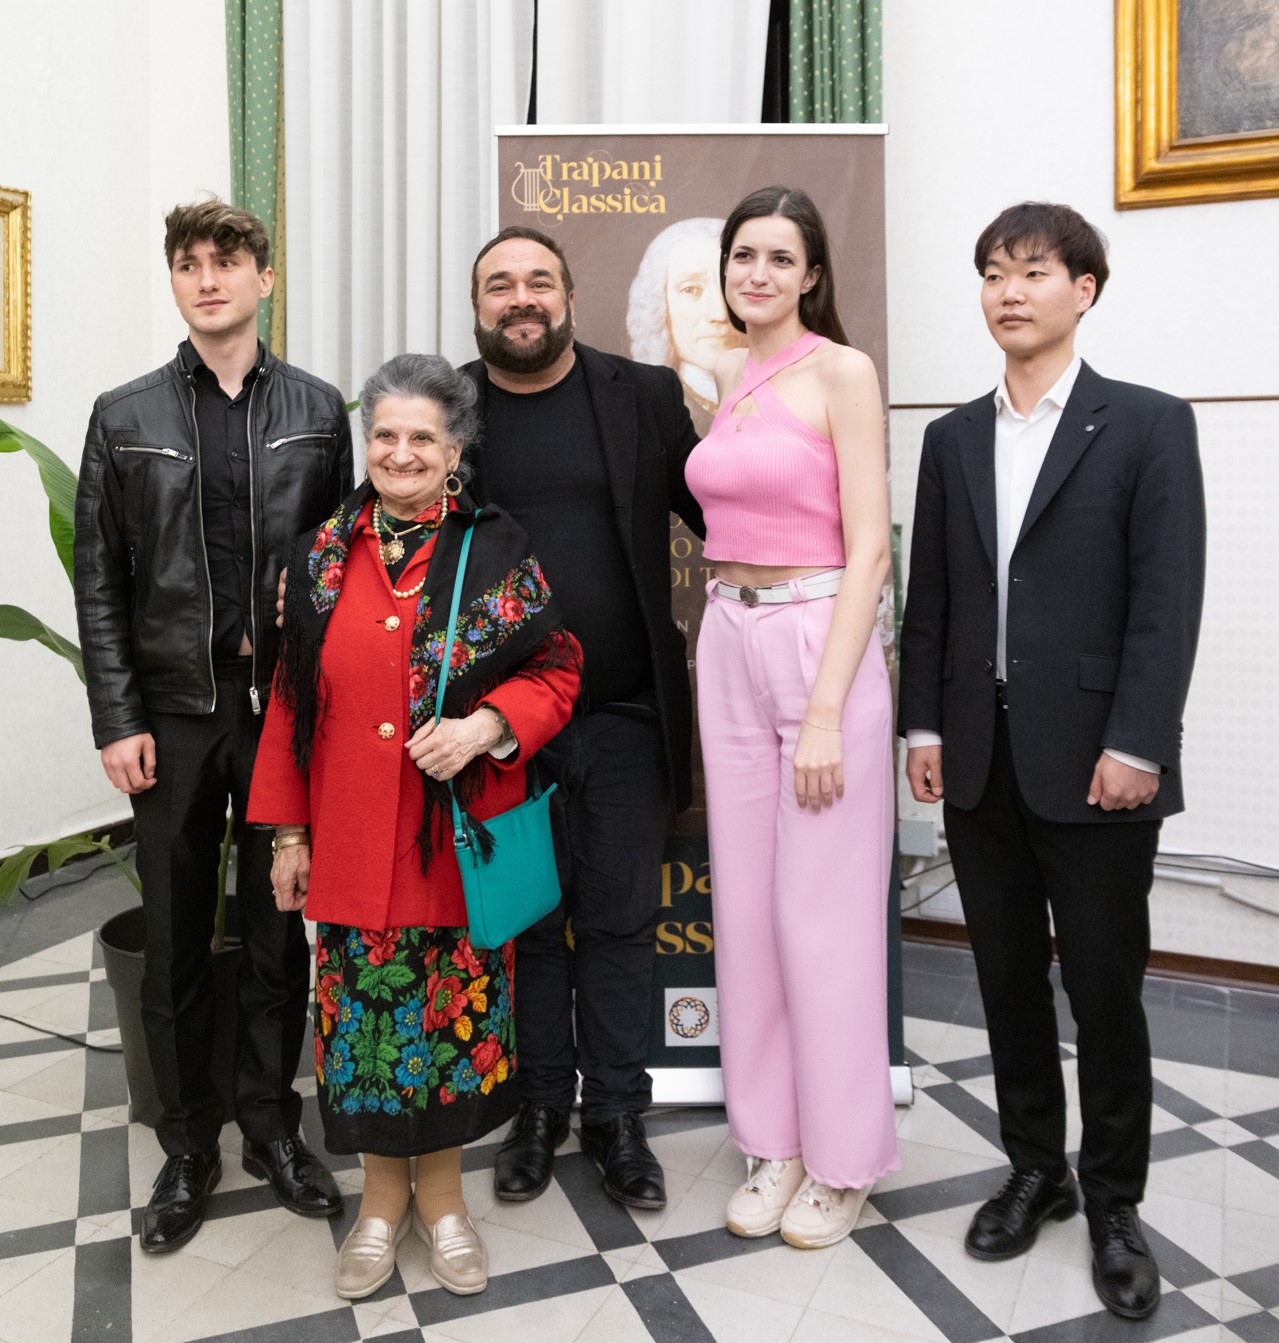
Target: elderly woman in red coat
414	1042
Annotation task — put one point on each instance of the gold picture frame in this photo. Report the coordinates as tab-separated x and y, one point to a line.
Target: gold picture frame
15	294
1155	163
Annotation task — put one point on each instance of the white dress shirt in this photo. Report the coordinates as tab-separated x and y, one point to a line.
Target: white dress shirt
1021	444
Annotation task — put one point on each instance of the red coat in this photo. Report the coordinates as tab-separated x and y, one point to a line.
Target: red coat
363	795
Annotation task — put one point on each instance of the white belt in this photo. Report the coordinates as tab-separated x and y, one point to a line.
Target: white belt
815	585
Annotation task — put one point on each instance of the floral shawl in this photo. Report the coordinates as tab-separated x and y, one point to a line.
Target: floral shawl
507	622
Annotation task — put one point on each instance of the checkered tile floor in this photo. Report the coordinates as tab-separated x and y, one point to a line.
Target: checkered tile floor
574	1266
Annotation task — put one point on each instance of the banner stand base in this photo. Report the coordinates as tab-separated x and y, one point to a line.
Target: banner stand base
704	1086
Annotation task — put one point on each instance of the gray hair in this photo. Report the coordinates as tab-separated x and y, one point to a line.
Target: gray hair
646	322
430	376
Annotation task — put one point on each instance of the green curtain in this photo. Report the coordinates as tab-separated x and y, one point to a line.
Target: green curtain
255	95
836	60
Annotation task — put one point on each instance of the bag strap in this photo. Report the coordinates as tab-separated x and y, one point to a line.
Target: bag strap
459	831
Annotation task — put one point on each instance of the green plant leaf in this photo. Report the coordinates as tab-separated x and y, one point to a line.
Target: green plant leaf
19	625
16	868
59	486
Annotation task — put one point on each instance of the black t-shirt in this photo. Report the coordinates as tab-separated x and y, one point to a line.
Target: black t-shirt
544	464
223	425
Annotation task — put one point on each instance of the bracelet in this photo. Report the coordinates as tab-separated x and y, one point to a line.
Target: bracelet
809	723
507	734
289	841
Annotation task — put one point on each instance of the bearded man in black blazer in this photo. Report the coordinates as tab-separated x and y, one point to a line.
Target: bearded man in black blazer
1056	581
587	451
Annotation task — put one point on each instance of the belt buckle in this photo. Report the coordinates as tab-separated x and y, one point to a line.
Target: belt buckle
749	596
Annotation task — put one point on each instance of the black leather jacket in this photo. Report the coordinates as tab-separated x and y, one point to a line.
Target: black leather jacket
143	599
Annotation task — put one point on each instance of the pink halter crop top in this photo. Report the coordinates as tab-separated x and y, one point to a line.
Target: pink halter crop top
768	483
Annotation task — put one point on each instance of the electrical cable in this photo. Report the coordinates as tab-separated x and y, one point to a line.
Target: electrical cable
58	1035
57	880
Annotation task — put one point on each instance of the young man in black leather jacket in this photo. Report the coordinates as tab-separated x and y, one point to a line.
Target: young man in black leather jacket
194	483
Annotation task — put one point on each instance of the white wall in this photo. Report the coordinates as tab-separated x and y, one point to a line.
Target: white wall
994	101
115	112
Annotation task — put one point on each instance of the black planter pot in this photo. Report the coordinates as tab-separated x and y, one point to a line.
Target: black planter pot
122	939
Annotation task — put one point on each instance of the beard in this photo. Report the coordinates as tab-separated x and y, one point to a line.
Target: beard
532	357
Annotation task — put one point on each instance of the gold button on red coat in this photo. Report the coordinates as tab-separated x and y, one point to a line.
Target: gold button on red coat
386	731
392	623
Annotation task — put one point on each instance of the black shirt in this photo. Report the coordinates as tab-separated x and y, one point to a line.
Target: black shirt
223	454
544	464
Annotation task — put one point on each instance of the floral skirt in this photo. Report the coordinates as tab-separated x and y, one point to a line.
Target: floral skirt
414	1039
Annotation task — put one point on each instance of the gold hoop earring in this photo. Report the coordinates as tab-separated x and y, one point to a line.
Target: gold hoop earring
452	484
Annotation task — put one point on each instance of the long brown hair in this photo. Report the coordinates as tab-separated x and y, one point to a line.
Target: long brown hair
817	307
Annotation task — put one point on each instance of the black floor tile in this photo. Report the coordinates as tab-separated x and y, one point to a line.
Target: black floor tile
331	1326
104	1080
1259	1328
610	1225
1175	1314
1183	1107
36	1239
953	1192
103	1292
1264	1123
1176	1265
515	1289
104	1171
923	1283
1262	1284
666	1312
979	1116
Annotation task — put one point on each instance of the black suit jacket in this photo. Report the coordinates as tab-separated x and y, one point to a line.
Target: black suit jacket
1105	591
647	435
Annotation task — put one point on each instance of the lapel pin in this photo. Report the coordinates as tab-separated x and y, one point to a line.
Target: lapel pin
1088	428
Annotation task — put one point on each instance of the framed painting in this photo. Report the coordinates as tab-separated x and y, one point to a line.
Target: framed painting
1196	101
15	295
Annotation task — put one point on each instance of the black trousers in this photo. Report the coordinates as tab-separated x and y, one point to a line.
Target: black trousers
1012	867
610	834
201	761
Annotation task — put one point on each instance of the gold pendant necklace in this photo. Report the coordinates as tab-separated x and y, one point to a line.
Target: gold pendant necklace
392	550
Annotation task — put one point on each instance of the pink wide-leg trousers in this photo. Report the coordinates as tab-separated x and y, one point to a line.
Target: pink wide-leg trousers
799	898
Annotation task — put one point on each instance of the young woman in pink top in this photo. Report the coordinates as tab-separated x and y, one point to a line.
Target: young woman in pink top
795	711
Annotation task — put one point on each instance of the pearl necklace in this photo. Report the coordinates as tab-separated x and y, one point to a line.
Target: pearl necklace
393	551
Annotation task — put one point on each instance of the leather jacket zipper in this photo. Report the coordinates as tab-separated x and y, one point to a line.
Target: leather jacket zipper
294	438
158	452
204	555
254	698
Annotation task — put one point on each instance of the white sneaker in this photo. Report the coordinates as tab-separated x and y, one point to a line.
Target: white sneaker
820	1215
756	1208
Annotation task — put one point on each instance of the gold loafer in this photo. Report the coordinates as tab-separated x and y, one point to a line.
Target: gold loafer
367	1257
459	1258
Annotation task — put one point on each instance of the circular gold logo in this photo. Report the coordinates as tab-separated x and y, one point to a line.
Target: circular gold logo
689	1017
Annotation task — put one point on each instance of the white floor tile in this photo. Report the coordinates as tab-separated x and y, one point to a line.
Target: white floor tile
738	1317
855	1288
40	1306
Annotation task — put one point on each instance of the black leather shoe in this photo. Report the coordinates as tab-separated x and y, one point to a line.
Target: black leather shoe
298	1177
522	1169
175	1211
1006	1225
631	1173
1124	1271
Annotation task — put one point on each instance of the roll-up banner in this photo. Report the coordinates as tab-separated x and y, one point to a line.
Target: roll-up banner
638	212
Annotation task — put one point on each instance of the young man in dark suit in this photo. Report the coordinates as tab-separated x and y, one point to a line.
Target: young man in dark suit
1056	580
587	450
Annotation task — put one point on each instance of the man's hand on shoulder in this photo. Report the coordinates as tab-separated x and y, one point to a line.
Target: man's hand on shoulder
1119	787
923	773
130	763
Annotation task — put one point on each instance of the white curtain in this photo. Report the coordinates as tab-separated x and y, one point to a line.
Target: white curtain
389	113
650	61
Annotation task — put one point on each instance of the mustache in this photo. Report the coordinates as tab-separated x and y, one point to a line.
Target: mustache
523	315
